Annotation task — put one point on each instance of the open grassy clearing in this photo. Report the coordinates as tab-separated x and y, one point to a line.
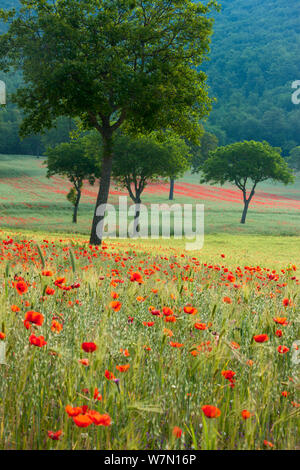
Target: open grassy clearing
29	200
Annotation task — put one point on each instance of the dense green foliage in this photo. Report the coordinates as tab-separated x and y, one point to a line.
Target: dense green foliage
254	59
71	161
146	159
294	158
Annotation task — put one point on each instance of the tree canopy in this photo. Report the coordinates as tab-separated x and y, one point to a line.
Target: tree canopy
73	162
147	159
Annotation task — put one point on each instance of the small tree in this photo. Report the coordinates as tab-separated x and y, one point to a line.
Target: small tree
294	158
146	159
71	160
244	162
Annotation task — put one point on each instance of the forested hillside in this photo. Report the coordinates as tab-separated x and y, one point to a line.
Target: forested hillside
254	59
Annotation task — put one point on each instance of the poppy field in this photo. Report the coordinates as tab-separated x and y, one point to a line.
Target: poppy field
29	200
134	346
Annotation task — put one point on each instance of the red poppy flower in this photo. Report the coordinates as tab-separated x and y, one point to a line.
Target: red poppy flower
148	323
190	310
176	345
115	305
15	308
21	287
97	395
60	281
281	320
170	319
283	349
177	432
84	362
99	419
2	335
211	411
47	273
123	368
49	291
154	311
260	338
200	326
89	347
34	317
73	411
109	375
37	341
56	326
287	302
246	414
82	420
54	435
228	374
167	311
268	444
136	277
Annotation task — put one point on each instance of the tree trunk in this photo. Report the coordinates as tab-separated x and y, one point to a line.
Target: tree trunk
136	225
76	207
247	202
171	194
244	215
99	213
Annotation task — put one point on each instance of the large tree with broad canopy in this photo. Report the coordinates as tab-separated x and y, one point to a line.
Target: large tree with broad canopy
111	63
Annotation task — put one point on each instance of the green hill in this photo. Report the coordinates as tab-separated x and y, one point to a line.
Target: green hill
254	60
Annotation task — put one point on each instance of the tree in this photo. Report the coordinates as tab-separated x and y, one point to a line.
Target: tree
244	162
142	160
110	63
200	153
71	160
294	158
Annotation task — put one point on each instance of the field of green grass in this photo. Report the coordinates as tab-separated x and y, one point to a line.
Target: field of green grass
29	200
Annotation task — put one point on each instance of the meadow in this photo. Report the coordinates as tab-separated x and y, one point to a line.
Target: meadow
141	345
29	200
